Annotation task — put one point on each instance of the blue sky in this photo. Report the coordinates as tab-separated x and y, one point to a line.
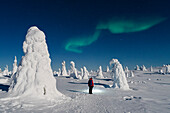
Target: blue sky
63	20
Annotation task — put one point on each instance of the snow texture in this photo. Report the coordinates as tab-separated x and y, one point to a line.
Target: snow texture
64	71
34	77
119	79
100	73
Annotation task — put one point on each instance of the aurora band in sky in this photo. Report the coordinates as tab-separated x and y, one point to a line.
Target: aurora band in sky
74	43
116	26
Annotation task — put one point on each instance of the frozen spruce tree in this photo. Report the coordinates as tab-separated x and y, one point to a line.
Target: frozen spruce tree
131	74
143	68
59	72
119	78
73	71
14	70
1	73
81	72
34	76
64	71
85	73
151	69
126	69
107	69
167	69
6	72
100	73
137	68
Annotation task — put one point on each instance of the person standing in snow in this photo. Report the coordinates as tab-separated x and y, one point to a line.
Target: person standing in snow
91	85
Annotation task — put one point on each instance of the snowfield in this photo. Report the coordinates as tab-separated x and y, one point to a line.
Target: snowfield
149	93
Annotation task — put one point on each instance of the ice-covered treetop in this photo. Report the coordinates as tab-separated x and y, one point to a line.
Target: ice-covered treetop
72	63
63	63
35	42
114	61
15	59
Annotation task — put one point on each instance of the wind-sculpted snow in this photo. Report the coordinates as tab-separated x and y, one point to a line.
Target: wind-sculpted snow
34	76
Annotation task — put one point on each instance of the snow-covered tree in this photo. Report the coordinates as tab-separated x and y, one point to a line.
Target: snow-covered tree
64	71
137	68
161	71
167	69
85	73
59	72
6	72
131	74
151	69
127	74
119	80
1	74
100	73
107	69
34	76
143	68
81	72
14	70
126	69
73	71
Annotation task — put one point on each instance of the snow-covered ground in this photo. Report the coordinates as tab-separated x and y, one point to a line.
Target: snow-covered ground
150	93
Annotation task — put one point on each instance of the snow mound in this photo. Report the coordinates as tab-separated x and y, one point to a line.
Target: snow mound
119	78
34	77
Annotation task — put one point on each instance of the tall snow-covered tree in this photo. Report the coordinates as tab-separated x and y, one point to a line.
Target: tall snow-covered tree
131	74
100	73
73	71
14	70
6	72
126	69
167	69
143	68
85	73
119	79
34	76
151	69
64	71
137	68
107	70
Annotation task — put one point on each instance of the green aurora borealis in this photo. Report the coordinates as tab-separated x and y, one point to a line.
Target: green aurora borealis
74	43
116	25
